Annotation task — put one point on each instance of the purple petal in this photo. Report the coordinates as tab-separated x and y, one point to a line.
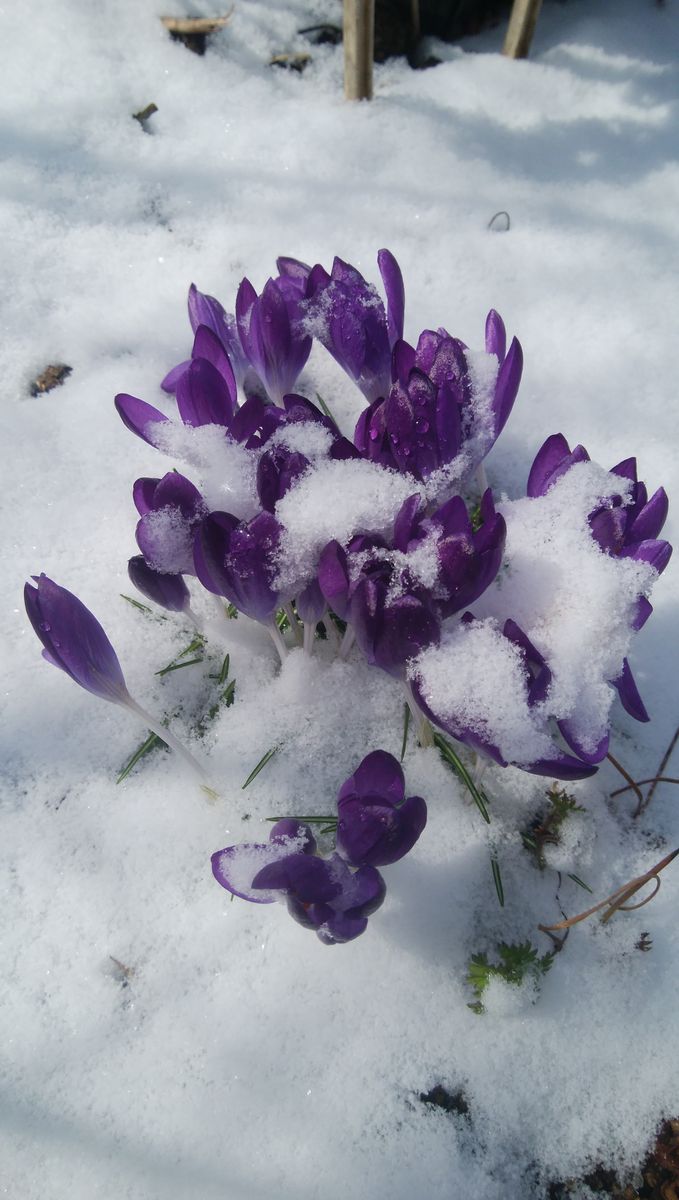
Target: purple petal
339	928
288	829
236	866
657	553
562	766
203	396
552	460
496	336
395	292
169	383
175	489
143	492
648	523
333	578
310	603
139	417
210	548
377	834
74	639
169	591
507	385
643	611
629	694
575	742
310	879
406	522
379	774
207	345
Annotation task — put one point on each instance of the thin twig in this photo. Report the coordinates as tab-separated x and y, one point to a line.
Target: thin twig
617	901
625	774
641	782
666	758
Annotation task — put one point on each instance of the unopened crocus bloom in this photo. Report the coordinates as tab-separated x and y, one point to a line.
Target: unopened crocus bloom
376	824
625	524
271	336
207	312
169	591
431	413
237	560
74	641
346	314
321	894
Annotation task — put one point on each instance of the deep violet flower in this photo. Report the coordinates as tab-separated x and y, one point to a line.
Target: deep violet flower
392	616
432	413
74	641
376	823
624	525
237	560
321	894
560	765
170	510
207	312
346	314
271	337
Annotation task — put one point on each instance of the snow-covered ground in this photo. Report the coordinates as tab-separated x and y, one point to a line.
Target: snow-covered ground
237	1057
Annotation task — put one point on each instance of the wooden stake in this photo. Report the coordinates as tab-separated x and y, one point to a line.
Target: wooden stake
359	42
522	22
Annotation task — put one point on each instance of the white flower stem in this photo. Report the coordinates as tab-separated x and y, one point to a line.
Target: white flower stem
277	639
425	733
166	736
309	635
293	622
347	642
482	478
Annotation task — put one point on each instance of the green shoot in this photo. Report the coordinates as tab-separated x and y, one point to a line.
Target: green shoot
260	766
151	743
451	759
544	830
406	725
324	408
497	880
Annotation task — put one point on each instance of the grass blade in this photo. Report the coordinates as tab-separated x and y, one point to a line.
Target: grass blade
260	766
177	666
150	744
455	763
406	726
581	883
497	880
324	408
224	673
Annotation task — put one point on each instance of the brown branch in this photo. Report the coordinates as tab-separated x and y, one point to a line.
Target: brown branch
641	782
626	775
617	901
666	758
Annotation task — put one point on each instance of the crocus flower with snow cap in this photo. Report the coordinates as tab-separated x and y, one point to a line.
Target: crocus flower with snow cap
321	894
624	525
431	414
346	314
376	824
74	641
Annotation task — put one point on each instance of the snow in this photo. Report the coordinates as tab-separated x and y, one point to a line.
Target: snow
239	1058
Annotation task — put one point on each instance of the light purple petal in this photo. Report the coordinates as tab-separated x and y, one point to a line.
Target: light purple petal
629	694
496	335
139	417
395	292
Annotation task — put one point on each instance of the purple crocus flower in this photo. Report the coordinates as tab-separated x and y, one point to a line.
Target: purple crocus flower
237	559
346	314
170	510
431	414
560	765
624	525
206	312
277	470
271	336
74	641
468	560
321	894
376	824
393	617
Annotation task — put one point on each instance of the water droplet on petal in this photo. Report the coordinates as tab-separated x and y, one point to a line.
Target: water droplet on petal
422	425
373	434
45	626
394	440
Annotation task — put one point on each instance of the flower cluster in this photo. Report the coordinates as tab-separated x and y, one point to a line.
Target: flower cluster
390	536
375	826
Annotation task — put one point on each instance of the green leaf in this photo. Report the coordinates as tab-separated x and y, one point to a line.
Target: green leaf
324	408
177	666
232	612
406	724
151	743
581	883
136	604
224	673
497	880
456	765
228	696
310	820
260	766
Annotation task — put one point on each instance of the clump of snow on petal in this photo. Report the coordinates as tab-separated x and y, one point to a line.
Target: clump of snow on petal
336	500
476	678
304	437
227	471
573	601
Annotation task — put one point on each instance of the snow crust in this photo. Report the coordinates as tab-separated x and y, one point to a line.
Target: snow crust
160	1041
